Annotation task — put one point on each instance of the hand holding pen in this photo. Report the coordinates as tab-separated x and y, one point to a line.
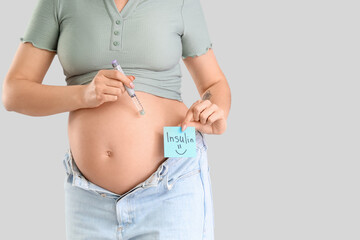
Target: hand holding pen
106	86
130	91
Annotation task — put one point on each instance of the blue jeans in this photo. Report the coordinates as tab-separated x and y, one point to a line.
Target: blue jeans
174	203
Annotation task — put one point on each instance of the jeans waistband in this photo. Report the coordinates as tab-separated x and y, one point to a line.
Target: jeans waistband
79	180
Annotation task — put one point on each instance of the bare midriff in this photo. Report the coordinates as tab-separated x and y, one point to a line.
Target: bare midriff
117	148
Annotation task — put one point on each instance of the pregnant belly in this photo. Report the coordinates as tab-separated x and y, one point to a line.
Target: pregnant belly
114	146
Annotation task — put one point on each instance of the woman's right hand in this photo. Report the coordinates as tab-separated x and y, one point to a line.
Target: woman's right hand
106	86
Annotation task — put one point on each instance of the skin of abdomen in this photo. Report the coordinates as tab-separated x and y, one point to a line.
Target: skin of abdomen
117	148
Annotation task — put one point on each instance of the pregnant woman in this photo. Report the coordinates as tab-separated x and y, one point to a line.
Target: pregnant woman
118	183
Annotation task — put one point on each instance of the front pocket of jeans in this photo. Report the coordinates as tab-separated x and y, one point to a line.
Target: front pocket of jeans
172	181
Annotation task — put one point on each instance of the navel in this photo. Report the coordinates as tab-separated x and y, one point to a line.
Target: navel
109	153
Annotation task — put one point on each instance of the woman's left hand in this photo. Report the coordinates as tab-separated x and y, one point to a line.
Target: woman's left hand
206	117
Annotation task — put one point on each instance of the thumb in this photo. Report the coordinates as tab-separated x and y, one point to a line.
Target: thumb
195	124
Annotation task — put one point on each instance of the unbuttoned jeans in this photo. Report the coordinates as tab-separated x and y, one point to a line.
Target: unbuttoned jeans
174	203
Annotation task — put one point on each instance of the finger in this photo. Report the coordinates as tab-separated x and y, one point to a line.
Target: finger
214	117
188	118
114	83
207	112
112	91
189	114
198	108
200	127
117	75
131	77
194	104
109	98
117	84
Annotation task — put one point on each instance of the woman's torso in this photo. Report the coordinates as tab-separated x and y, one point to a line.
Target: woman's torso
117	148
113	145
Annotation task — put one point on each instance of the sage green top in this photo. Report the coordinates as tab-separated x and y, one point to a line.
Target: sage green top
147	37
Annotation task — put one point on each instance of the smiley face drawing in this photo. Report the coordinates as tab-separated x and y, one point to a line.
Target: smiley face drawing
178	143
181	153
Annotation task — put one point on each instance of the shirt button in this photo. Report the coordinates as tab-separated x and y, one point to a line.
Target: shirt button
118	22
116	43
103	195
116	32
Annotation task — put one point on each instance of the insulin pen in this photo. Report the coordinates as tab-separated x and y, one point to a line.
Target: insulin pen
130	91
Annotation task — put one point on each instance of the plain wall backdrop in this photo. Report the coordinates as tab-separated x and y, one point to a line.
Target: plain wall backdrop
288	165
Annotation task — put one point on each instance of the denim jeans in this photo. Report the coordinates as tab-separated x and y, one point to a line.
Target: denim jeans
174	203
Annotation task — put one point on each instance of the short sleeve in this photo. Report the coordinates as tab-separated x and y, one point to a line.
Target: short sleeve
195	38
43	29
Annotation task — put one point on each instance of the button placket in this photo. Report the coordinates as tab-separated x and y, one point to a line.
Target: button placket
116	35
118	21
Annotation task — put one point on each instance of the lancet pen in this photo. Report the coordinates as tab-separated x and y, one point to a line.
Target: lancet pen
130	91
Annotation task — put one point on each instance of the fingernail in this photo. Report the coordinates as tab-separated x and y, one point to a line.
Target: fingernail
183	127
132	85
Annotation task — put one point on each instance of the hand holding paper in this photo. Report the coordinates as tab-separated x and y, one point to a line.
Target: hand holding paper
206	117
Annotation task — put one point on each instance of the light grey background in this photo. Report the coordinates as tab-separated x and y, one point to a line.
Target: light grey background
288	165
